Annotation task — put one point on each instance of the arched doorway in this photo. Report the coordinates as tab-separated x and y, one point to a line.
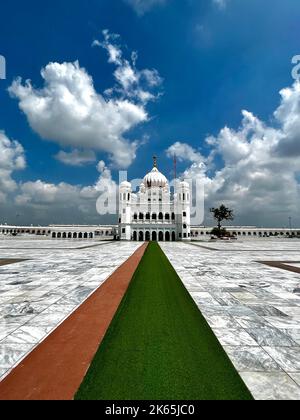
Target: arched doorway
173	236
154	236
141	236
148	237
167	237
70	235
91	235
80	235
59	235
75	235
64	235
53	235
85	236
161	236
135	236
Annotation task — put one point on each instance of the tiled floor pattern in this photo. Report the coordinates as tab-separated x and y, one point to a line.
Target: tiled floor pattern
38	294
253	309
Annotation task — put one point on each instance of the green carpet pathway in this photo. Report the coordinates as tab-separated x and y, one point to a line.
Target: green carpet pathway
159	346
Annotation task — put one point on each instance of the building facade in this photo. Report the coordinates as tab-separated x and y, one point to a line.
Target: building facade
154	213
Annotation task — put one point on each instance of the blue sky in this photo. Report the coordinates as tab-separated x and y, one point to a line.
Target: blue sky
209	60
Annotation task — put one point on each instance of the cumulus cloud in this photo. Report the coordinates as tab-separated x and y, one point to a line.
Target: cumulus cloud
46	202
12	158
143	6
258	176
68	110
184	152
76	157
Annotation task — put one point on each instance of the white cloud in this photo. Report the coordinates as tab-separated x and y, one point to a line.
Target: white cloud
46	202
184	152
131	82
220	3
76	157
259	177
68	110
143	6
12	159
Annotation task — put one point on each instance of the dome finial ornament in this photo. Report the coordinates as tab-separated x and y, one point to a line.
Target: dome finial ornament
155	161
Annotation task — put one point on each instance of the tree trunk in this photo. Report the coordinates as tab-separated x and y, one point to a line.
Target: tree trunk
219	227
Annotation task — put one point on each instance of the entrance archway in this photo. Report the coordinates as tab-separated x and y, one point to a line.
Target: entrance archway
161	237
141	236
173	236
148	237
135	236
154	236
167	237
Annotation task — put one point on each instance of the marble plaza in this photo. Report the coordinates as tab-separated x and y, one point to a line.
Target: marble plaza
253	309
53	279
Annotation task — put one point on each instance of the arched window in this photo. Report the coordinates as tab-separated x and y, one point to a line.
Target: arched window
148	216
141	216
167	216
135	217
154	216
173	216
161	216
75	235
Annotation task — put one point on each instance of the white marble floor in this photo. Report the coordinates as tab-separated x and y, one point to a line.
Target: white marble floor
37	294
253	309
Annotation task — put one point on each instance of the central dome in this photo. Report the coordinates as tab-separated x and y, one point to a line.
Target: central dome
155	179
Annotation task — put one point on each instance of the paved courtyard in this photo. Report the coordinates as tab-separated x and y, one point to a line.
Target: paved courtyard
253	309
37	294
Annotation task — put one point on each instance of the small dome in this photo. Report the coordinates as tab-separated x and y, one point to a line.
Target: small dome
125	184
155	179
185	184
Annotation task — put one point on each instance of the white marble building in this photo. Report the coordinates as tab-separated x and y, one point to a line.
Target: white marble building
154	213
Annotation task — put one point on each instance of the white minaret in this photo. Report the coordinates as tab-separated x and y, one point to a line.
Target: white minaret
184	211
125	218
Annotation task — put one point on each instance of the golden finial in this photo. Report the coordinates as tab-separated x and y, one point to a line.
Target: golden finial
155	161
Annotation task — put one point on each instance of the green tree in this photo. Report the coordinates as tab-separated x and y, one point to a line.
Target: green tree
220	214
